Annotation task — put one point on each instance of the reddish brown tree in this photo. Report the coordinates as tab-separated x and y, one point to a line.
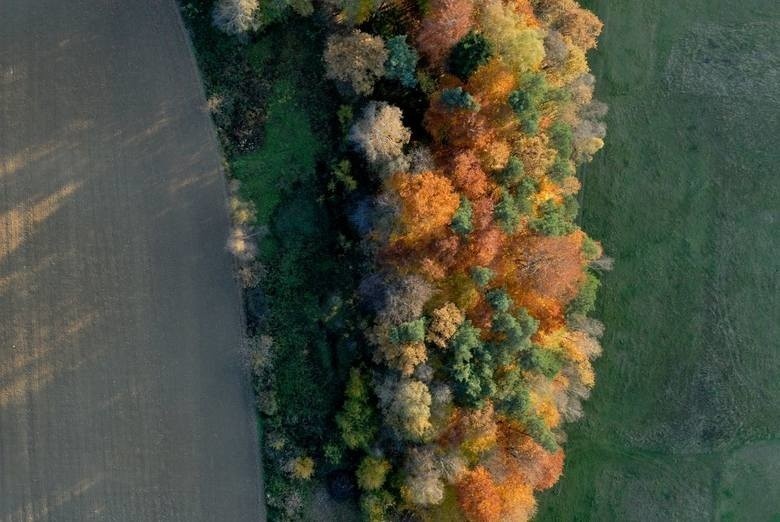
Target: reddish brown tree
447	22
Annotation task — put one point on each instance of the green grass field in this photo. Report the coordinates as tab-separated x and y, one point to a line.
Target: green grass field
684	423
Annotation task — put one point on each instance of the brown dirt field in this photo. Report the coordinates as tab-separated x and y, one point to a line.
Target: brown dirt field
122	393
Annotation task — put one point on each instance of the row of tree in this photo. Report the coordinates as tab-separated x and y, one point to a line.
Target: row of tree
480	346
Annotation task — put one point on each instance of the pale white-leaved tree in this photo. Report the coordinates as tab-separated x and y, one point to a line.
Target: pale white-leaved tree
380	133
236	16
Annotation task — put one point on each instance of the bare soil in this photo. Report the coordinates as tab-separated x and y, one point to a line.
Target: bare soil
122	393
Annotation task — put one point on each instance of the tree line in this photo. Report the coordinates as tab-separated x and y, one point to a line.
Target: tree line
461	125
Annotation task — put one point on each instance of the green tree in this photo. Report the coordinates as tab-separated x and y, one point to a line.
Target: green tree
586	299
542	360
401	61
376	505
481	275
513	332
552	220
561	169
408	332
471	366
468	54
372	472
461	220
457	98
507	213
512	173
499	300
357	420
561	137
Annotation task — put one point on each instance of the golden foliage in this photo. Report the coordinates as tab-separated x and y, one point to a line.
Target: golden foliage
428	202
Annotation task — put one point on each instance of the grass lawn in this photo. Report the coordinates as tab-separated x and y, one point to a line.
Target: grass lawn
684	423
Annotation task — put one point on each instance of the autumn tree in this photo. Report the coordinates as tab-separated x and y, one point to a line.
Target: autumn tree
550	265
371	473
380	133
479	497
407	405
518	44
376	505
356	58
444	322
236	17
301	468
428	203
423	483
581	26
445	24
402	298
355	12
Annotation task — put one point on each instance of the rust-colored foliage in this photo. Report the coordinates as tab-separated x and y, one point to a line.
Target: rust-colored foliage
523	457
477	227
549	266
478	496
428	202
468	177
447	22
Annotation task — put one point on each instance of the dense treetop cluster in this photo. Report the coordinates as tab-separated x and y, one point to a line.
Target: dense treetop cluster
470	118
